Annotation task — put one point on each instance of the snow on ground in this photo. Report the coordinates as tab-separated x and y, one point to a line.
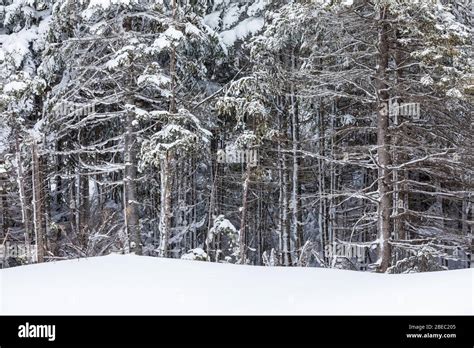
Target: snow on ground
129	284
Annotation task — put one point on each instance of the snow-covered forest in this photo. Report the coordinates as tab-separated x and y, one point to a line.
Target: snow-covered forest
322	133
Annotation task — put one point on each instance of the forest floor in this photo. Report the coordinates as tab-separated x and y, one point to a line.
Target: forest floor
130	284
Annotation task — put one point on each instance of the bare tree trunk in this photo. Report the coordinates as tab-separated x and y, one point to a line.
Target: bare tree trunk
130	185
37	204
465	214
398	175
332	179
243	218
212	204
439	206
165	212
85	204
25	212
165	170
173	65
77	204
283	198
281	222
322	184
467	208
4	204
384	208
399	195
296	234
259	226
46	199
194	205
286	228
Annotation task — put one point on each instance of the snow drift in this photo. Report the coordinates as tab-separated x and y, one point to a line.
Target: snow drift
129	284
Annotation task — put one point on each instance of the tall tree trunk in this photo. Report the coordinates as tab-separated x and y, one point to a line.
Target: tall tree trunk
243	218
165	211
77	203
331	213
259	226
37	203
130	184
25	211
173	64
296	234
283	201
281	221
399	196
384	207
4	204
324	238
165	163
466	204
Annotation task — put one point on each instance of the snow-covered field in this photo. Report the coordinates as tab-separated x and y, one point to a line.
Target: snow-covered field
129	284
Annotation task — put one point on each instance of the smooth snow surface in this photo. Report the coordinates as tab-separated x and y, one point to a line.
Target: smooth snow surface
129	284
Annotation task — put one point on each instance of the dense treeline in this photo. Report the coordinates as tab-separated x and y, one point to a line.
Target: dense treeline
325	133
